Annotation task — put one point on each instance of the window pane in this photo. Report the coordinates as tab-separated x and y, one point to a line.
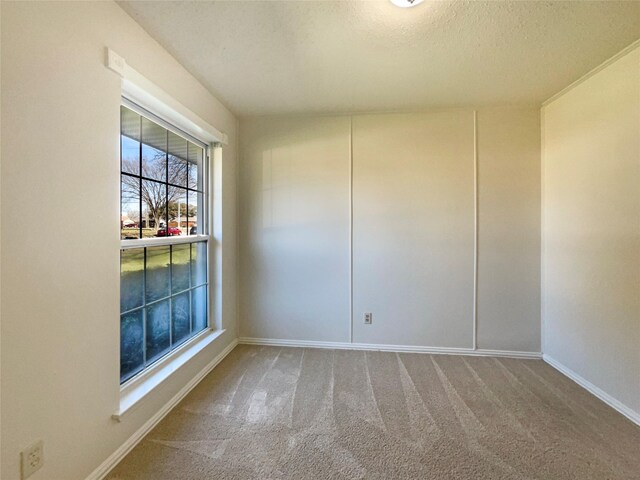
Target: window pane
131	344
131	279
157	273
178	156
158	330
177	145
154	163
129	207
178	210
180	317
180	259
154	148
195	214
199	308
129	123
130	155
196	156
177	171
198	263
154	208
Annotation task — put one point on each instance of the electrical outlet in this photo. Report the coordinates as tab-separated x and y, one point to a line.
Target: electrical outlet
32	459
368	318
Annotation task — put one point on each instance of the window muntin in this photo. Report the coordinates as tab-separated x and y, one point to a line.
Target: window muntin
164	282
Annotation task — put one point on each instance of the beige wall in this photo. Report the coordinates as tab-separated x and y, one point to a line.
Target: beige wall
413	228
509	229
591	230
60	241
412	182
295	229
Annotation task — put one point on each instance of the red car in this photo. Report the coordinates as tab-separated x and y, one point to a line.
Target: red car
172	231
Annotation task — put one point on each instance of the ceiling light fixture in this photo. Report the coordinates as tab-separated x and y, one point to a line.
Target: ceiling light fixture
406	3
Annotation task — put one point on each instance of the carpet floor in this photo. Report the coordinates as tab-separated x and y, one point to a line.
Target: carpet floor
301	413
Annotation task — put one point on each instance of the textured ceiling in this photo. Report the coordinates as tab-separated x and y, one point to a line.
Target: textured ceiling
349	56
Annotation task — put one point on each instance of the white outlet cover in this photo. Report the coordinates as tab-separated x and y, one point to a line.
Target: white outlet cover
32	459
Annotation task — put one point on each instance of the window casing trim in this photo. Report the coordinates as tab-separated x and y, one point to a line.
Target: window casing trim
138	90
145	94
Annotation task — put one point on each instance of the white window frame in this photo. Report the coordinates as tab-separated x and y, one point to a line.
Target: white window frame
175	240
137	90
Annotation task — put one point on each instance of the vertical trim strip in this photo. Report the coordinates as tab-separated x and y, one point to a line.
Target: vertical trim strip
351	228
542	231
144	308
475	229
213	184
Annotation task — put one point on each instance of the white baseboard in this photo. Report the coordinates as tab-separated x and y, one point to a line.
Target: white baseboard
106	466
389	348
598	392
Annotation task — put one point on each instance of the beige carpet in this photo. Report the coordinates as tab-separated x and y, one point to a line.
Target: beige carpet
270	413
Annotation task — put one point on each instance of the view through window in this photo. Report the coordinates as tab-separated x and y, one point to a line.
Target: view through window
163	258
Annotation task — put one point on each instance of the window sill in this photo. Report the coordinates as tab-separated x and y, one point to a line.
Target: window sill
134	390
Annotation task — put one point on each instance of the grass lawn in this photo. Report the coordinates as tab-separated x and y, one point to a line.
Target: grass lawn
134	232
132	260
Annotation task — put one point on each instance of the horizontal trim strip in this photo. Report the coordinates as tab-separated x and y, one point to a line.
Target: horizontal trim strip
389	348
591	388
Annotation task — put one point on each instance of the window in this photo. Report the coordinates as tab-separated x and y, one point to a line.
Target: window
164	246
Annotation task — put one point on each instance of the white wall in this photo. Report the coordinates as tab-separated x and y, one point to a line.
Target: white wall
591	230
60	241
412	182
